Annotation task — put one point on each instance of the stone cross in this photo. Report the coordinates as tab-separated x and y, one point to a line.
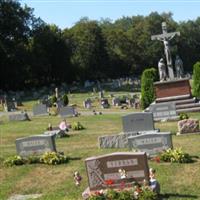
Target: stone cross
165	37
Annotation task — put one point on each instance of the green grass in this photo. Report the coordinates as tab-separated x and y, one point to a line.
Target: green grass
178	181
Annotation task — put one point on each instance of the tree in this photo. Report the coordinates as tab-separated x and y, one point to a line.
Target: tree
149	76
196	80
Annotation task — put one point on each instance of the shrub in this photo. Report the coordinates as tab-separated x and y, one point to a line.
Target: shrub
148	194
50	158
175	156
183	116
14	160
196	80
53	99
149	76
77	126
65	99
53	158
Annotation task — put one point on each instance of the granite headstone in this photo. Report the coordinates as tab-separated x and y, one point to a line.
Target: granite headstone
40	109
152	143
67	111
35	145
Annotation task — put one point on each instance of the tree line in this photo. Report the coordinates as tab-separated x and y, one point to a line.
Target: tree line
34	53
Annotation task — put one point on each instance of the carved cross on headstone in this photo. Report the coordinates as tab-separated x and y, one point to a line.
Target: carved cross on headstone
165	37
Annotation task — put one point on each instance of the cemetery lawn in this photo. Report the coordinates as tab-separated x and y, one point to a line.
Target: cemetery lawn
178	181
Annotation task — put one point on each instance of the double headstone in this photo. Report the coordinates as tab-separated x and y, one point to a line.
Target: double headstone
35	145
106	168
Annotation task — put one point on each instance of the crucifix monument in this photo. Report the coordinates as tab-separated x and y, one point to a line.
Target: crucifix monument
165	37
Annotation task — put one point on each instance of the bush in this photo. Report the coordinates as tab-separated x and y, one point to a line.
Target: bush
14	160
196	80
77	126
53	99
50	158
65	99
148	195
149	76
53	158
176	156
183	116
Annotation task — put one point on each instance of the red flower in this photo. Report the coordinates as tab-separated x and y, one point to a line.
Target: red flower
157	159
109	182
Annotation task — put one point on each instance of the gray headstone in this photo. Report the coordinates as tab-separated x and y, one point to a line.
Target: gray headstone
151	143
19	117
106	167
163	111
137	122
67	111
35	145
40	109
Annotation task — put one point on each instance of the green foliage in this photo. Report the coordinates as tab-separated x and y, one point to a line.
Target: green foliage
196	80
50	158
176	156
76	126
144	194
14	160
53	158
148	194
149	76
53	99
183	116
65	99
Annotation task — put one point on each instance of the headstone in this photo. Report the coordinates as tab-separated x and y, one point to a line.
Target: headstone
163	111
35	145
9	106
116	101
105	103
152	143
106	167
188	126
40	109
19	117
67	111
137	122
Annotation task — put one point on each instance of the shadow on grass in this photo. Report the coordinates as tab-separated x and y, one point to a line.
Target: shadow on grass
74	158
177	196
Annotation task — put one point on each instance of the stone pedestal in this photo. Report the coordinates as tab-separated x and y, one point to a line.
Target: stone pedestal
180	87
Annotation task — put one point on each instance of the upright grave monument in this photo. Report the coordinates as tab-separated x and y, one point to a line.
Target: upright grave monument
106	168
35	145
171	87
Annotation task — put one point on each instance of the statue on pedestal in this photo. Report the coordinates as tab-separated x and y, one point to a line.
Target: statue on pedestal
162	70
179	67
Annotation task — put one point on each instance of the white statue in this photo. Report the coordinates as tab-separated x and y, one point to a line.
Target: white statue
179	67
162	70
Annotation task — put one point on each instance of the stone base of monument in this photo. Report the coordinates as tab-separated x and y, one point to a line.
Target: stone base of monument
120	140
176	91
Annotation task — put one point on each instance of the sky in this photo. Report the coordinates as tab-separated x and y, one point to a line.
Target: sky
65	13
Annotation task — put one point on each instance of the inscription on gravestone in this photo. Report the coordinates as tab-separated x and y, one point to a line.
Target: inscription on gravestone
106	167
35	145
151	143
163	110
138	122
